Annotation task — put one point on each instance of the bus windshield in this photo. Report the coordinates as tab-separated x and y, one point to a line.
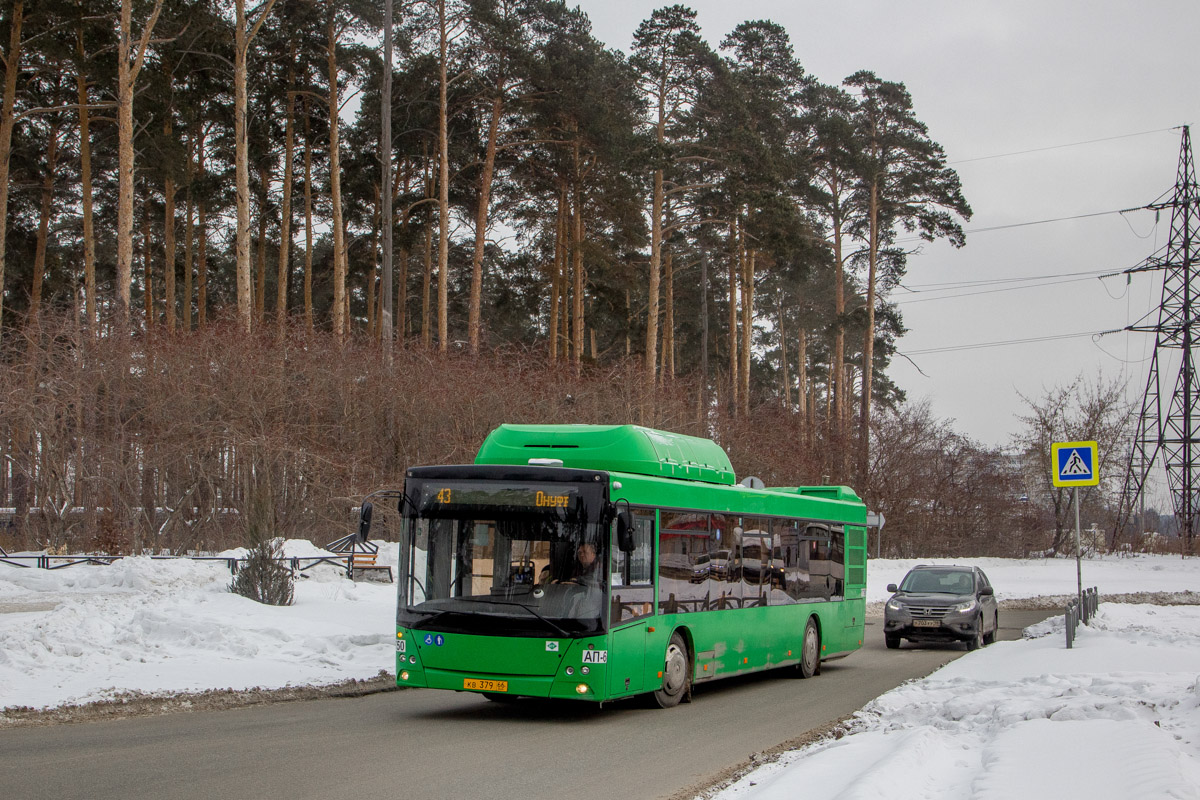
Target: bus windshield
510	573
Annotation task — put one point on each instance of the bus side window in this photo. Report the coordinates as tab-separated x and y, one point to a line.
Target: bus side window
683	562
632	573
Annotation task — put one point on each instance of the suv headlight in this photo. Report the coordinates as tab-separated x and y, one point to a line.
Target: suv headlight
895	605
963	608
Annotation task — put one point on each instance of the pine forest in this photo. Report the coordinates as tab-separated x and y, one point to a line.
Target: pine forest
250	274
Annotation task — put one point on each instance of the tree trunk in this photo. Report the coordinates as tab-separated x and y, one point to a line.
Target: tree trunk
802	373
734	258
201	242
85	181
864	439
169	228
481	218
124	168
402	300
783	354
556	268
372	275
838	422
443	183
426	282
308	226
385	160
285	205
704	332
579	282
260	293
189	231
43	234
335	188
12	64
669	319
147	267
241	167
656	211
126	77
748	255
169	253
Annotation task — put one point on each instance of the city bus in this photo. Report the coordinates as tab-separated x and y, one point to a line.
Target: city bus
599	562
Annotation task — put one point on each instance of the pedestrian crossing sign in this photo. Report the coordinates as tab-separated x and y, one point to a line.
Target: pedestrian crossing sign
1074	464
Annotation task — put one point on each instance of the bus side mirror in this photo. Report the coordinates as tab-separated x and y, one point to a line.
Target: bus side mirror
625	532
364	521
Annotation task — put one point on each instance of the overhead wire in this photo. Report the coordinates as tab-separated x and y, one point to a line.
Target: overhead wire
951	288
913	301
1061	146
1004	343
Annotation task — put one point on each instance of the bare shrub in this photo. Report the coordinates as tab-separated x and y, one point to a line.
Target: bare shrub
163	443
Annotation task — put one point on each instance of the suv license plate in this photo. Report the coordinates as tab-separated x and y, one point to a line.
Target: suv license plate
927	623
485	686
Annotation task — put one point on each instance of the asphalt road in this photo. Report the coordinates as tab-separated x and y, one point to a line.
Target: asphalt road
429	745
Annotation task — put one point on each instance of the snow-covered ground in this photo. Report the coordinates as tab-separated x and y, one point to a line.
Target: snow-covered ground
1023	579
87	632
1118	716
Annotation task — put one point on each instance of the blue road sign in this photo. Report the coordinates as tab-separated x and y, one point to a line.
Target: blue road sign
1074	464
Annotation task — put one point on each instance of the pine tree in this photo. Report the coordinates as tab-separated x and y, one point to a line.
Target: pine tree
903	182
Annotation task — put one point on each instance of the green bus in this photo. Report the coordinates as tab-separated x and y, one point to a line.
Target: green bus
600	562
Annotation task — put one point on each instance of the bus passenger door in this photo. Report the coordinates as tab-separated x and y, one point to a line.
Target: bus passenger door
632	592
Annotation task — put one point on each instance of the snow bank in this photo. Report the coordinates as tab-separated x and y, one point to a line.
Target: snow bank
88	632
1118	716
1019	579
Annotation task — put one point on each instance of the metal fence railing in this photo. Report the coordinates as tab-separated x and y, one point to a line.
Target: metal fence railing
1081	610
297	564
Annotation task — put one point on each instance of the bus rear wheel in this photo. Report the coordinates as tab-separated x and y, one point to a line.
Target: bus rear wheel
810	651
676	676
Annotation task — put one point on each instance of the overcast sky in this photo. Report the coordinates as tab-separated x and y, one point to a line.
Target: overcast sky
999	78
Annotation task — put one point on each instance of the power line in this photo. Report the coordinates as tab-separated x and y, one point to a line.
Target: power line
1034	222
915	287
1031	340
985	291
1061	146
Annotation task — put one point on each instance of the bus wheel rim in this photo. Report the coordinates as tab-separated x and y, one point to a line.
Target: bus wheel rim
810	646
675	669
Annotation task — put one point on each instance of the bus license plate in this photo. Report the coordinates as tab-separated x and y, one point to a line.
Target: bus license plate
926	623
485	686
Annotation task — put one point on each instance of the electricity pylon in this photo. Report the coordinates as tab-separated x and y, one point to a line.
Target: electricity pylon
1167	426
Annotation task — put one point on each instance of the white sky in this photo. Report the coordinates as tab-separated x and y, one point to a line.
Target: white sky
997	78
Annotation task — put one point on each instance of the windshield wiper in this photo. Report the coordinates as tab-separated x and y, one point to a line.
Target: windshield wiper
531	610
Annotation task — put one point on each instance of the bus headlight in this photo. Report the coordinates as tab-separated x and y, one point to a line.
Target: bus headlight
581	689
404	675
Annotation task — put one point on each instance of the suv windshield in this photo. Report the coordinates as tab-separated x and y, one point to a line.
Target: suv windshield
939	581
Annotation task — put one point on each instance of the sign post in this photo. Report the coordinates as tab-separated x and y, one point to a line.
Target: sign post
1073	464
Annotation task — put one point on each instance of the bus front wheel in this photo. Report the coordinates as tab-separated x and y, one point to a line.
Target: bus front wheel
810	652
676	676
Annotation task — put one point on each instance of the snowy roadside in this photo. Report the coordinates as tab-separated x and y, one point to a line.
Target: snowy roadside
141	629
1117	716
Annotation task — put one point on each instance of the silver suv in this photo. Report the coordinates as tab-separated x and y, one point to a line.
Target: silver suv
942	604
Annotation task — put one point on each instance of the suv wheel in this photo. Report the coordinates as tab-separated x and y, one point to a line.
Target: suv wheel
990	638
976	641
